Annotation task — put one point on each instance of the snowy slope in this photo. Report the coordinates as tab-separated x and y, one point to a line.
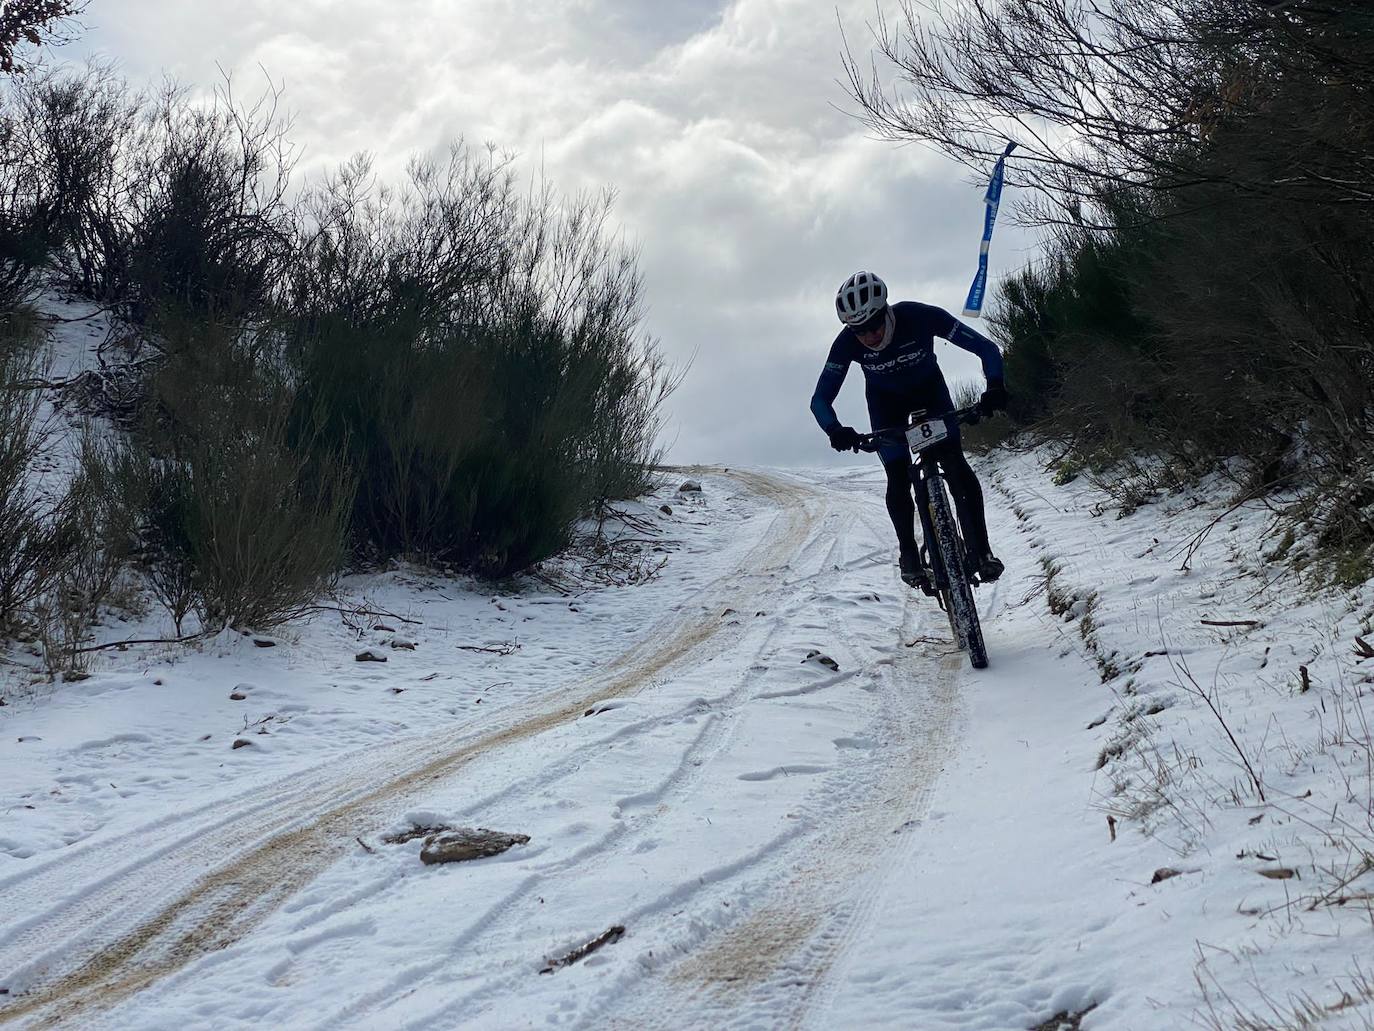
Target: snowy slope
898	842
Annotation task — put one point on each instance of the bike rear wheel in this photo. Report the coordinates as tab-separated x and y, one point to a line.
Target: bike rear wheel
963	612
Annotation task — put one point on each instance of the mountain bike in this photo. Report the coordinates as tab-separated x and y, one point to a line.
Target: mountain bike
945	555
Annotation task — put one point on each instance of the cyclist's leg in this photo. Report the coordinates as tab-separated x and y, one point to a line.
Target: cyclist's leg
901	509
967	491
968	502
883	414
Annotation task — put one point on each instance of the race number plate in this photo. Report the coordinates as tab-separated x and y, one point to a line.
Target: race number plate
924	434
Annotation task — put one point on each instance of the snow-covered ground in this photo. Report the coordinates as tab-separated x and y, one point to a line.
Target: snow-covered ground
896	842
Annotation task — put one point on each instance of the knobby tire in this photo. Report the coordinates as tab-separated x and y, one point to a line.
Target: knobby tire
963	612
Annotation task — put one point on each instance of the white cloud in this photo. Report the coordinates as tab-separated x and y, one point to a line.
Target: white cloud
749	191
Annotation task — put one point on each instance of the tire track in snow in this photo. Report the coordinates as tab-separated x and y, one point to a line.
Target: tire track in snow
228	902
781	955
692	767
772	967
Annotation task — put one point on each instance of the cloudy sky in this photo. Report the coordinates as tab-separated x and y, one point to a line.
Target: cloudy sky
742	176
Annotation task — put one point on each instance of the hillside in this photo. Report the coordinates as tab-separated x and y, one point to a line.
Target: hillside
886	838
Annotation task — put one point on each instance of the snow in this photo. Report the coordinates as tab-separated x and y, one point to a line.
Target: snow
899	842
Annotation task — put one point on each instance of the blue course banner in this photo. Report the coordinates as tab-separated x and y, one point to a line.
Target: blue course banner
993	198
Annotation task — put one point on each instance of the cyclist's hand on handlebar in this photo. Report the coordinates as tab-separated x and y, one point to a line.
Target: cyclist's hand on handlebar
844	438
994	399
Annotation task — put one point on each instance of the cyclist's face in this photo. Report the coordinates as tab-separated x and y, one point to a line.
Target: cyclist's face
872	338
871	333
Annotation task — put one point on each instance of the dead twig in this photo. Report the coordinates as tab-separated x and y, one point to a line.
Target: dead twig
1196	689
363	612
550	582
505	648
1189	549
49	317
608	937
147	640
1230	622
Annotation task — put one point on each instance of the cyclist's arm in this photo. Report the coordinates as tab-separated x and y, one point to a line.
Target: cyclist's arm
972	341
828	388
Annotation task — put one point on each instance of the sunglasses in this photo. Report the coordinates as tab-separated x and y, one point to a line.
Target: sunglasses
873	325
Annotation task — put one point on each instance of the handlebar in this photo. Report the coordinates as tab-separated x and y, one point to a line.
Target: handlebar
897	435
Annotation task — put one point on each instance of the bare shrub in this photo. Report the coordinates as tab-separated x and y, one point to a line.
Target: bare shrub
157	201
76	128
209	226
91	523
33	23
25	242
989	432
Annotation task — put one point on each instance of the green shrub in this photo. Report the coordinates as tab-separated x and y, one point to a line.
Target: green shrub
475	355
31	550
210	231
234	509
464	352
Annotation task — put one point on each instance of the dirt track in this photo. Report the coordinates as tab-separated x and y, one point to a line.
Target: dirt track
297	832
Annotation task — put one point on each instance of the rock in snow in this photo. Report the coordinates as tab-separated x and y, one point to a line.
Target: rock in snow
689	486
468	843
822	660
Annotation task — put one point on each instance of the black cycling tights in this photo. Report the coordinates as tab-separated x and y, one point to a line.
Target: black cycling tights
963	484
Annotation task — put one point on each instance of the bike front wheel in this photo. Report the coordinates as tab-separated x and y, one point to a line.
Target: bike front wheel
963	612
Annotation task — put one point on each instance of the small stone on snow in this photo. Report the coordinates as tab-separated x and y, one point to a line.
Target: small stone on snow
369	655
822	660
690	486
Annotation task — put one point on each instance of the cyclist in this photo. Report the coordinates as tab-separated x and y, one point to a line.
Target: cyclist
894	345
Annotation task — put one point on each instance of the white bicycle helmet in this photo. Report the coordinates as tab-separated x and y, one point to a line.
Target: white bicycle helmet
861	297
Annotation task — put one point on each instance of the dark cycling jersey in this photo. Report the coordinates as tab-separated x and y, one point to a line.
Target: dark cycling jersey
905	372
